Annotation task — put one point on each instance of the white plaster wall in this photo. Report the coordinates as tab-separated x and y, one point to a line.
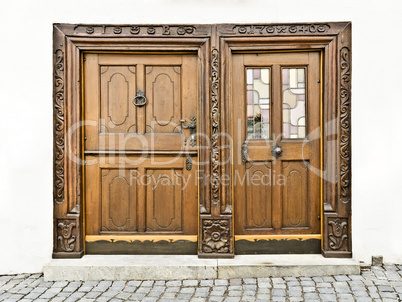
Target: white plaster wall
26	108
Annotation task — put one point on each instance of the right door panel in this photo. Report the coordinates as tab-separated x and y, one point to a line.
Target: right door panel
276	129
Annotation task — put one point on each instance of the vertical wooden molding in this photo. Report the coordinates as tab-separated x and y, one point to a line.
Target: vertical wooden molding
337	223
66	226
216	236
215	118
58	122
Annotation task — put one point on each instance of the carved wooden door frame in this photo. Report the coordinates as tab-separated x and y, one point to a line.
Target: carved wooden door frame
214	45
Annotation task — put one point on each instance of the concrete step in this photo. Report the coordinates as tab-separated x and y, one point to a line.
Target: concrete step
182	267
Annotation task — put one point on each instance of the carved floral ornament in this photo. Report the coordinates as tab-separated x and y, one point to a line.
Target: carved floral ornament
338	233
66	237
216	236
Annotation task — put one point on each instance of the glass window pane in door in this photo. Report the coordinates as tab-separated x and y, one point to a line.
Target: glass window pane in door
258	96
294	103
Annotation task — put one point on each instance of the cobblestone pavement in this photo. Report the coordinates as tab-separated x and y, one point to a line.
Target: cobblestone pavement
377	284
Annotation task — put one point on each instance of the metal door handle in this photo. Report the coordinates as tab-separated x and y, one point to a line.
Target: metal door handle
140	99
276	151
193	129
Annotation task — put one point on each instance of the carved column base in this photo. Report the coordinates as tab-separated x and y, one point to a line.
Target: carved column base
338	243
67	238
216	238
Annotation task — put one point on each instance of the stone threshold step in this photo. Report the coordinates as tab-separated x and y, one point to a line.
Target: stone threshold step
184	267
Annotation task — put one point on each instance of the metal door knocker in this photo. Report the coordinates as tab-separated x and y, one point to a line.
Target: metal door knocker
140	99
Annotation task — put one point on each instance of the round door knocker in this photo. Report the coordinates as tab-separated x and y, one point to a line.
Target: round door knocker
140	99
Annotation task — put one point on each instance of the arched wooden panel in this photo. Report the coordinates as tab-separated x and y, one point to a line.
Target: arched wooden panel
259	195
163	90
118	88
119	200
295	195
164	198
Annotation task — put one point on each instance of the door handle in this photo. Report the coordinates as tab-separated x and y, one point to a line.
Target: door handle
193	129
276	151
140	99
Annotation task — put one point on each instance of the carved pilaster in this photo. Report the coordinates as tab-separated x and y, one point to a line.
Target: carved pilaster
67	227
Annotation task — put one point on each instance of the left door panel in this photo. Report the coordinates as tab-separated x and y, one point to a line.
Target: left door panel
141	192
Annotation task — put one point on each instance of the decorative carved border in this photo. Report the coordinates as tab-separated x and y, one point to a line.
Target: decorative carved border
345	144
215	120
58	140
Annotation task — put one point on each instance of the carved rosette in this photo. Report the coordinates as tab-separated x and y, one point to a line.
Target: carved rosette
345	129
58	108
338	233
66	235
215	126
216	236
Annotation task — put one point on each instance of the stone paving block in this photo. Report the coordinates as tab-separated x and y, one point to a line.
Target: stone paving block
235	281
232	299
192	300
264	285
172	289
207	282
216	298
326	290
250	281
148	283
93	295
190	282
327	297
278	292
250	287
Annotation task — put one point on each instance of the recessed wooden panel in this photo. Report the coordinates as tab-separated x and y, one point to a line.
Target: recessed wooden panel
119	199
164	200
295	194
259	203
163	90
118	89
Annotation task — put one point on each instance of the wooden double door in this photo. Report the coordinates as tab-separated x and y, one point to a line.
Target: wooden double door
276	135
140	115
141	150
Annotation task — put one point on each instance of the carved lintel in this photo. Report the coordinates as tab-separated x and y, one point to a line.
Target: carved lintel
338	234
59	127
215	126
163	30
216	236
275	29
345	135
66	235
